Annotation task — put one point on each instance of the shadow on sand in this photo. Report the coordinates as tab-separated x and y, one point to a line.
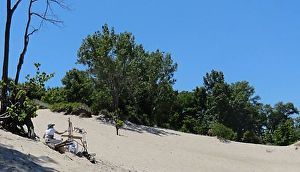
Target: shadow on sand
140	128
13	160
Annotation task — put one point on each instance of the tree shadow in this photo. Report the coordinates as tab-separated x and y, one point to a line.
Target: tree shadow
139	128
13	160
224	140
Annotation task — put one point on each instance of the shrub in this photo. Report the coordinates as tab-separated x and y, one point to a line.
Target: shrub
222	132
78	86
268	137
175	122
35	85
106	114
41	104
54	95
72	109
118	124
285	134
192	125
251	137
23	109
100	99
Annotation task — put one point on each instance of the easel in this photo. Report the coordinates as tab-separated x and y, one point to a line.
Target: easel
80	140
73	138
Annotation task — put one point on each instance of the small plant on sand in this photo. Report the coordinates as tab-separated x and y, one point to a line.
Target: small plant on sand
118	122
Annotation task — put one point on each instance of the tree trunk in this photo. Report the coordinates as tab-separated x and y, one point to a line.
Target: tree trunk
6	58
25	45
30	129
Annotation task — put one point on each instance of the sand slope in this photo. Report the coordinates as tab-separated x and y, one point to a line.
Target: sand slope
21	154
151	149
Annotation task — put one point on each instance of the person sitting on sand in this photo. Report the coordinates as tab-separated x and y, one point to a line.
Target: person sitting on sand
49	134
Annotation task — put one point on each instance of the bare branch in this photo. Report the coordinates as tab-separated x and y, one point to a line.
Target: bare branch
47	15
51	20
15	6
32	32
60	3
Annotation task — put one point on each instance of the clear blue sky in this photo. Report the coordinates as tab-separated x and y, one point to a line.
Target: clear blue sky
251	40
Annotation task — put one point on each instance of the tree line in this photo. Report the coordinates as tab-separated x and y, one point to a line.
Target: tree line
123	80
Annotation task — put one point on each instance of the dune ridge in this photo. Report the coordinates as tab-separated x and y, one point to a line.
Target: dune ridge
141	148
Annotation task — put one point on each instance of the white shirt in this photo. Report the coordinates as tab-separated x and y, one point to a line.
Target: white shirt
50	133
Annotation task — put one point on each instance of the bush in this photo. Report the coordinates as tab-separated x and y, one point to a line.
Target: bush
23	109
106	114
119	123
100	100
192	125
268	137
222	132
19	112
285	134
251	137
72	109
54	95
35	85
41	104
78	86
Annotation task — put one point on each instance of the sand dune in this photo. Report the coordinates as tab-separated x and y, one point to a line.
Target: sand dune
142	148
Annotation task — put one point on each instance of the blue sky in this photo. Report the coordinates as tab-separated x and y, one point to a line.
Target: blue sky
251	40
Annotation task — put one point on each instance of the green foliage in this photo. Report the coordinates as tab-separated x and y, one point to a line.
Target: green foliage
123	78
23	108
213	78
251	137
106	114
192	125
285	134
72	108
101	99
78	86
54	95
222	132
268	137
279	114
119	123
128	78
35	86
176	122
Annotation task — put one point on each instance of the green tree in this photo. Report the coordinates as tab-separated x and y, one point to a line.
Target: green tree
245	111
108	56
78	86
285	133
218	98
139	83
279	114
54	95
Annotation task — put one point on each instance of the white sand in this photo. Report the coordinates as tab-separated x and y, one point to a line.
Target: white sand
151	149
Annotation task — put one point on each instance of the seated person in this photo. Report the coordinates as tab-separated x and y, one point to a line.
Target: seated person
49	134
